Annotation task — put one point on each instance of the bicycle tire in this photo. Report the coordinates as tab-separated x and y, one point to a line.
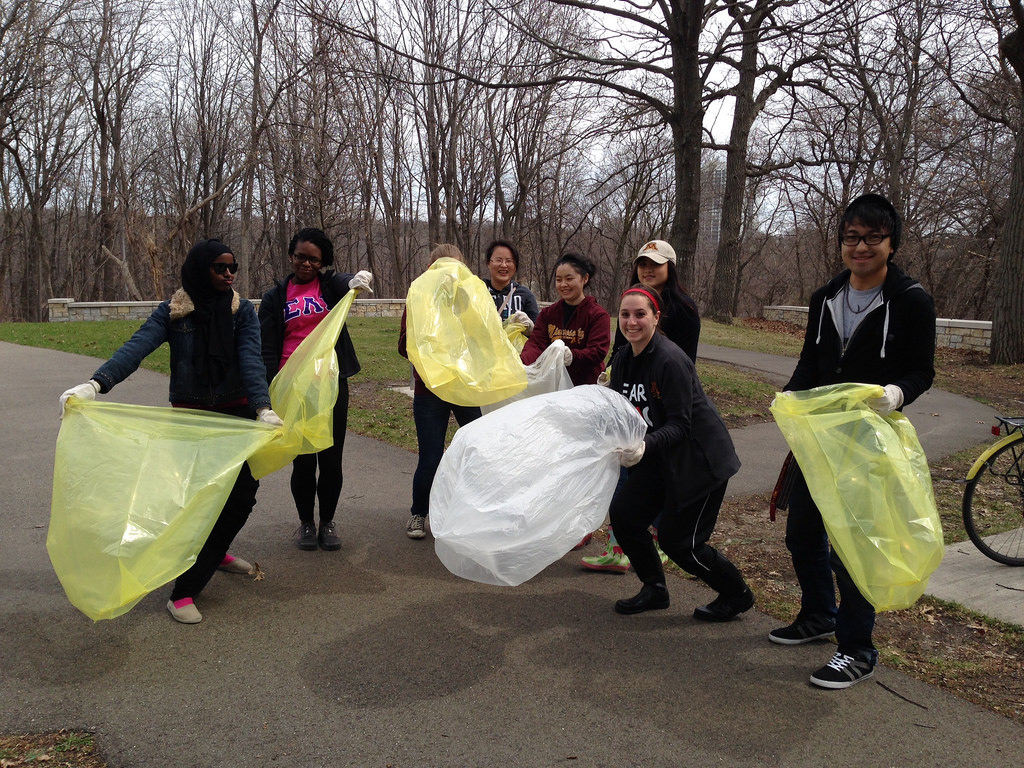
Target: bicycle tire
993	506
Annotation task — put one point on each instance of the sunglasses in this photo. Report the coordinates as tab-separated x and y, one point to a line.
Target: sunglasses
220	267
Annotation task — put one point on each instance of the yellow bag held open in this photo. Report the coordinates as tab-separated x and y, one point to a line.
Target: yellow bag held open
456	340
869	477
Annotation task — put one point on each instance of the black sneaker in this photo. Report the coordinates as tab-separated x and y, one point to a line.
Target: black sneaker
800	632
328	537
305	537
842	672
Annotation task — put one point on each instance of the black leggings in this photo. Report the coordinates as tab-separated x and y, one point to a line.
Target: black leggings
306	486
231	520
683	531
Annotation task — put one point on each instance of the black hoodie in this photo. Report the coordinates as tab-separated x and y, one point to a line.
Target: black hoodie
893	344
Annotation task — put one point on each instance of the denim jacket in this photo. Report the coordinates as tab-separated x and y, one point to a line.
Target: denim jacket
173	322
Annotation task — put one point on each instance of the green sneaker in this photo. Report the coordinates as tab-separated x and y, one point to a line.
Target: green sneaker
613	562
613	559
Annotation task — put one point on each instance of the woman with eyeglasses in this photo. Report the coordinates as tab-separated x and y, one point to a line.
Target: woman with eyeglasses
513	300
216	365
288	314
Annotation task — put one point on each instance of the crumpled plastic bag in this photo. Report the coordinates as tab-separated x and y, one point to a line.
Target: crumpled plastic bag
519	487
545	374
517	334
869	477
455	339
136	491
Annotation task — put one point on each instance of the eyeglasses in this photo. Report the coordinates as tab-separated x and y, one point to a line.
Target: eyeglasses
503	262
313	260
871	239
220	267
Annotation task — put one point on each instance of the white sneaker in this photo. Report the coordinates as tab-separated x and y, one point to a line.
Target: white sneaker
416	529
236	565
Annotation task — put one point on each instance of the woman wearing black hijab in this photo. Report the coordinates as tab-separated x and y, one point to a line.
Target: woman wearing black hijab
216	365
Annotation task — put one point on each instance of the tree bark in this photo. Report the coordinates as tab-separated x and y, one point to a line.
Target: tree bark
1008	312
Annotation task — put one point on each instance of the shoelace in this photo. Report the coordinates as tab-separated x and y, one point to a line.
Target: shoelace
840	662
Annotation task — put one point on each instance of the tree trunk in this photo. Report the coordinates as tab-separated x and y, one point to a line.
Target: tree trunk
686	121
1008	311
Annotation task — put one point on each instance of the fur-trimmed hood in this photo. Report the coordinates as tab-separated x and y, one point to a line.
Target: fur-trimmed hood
181	304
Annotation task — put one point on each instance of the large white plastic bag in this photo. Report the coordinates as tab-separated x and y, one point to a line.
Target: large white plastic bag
545	374
519	487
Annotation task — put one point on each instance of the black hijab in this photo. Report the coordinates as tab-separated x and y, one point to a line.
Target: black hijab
214	351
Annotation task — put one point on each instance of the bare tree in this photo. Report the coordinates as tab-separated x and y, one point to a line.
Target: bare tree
1008	313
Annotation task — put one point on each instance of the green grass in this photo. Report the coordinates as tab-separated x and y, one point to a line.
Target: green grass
96	339
379	412
741	337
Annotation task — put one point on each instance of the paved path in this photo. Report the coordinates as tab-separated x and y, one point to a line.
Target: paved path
377	656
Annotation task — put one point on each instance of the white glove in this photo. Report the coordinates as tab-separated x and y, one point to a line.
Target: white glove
567	357
605	379
630	456
85	391
361	281
268	417
523	319
891	399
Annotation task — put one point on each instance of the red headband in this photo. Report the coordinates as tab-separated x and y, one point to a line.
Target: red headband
648	294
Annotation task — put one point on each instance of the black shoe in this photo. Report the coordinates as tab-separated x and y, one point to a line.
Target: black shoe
842	672
328	537
724	608
651	597
305	537
800	632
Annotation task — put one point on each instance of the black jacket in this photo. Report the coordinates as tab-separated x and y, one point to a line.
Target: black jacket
333	287
685	433
894	343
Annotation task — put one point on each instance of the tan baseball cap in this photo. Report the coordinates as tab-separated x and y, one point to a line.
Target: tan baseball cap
657	251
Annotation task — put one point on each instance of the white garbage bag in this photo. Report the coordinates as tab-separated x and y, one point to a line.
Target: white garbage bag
519	487
545	374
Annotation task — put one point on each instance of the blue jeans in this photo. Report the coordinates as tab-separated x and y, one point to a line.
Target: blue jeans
431	415
814	562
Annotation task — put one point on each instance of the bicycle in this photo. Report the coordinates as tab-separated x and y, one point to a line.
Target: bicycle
993	506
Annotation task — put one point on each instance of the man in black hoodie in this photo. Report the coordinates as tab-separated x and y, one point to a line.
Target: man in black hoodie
871	324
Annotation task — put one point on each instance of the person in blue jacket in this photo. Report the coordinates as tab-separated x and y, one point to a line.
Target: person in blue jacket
216	365
871	324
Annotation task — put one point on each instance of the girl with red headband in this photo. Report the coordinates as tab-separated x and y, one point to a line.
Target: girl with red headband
680	471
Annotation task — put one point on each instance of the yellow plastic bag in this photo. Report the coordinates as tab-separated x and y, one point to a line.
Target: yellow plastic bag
455	339
136	491
303	394
517	334
869	477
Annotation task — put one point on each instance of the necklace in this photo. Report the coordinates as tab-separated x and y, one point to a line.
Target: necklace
860	308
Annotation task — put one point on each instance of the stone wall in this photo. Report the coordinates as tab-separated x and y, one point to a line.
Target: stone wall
971	335
69	310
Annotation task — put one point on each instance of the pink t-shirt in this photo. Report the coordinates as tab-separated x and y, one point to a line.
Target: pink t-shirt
303	311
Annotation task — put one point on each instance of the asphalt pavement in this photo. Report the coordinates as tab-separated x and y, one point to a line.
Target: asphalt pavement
377	656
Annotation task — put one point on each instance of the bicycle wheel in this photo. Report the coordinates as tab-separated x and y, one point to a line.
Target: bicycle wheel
994	505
